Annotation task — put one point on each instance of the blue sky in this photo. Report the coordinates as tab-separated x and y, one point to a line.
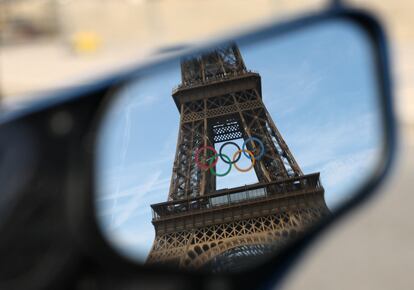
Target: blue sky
318	85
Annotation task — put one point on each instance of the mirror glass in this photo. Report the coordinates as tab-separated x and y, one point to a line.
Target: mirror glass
218	159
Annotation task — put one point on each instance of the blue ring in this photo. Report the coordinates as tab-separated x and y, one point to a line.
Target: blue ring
262	148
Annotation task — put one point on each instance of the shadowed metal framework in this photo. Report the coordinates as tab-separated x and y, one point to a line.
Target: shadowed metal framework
220	100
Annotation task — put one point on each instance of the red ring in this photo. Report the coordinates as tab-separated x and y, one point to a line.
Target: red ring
206	166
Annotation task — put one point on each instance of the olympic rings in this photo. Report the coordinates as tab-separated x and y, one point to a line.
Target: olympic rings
221	151
262	148
211	164
209	156
228	162
251	157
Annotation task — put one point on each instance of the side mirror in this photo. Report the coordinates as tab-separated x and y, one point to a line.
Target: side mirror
220	162
192	170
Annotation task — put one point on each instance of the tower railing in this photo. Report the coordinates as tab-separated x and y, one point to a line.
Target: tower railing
212	79
244	194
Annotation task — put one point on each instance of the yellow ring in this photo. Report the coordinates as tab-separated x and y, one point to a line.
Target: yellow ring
251	156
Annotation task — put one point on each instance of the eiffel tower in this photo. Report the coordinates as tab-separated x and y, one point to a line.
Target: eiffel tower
219	100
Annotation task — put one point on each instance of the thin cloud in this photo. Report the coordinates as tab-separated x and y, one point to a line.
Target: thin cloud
135	202
132	191
343	174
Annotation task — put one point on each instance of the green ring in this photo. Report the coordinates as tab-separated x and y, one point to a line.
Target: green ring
225	157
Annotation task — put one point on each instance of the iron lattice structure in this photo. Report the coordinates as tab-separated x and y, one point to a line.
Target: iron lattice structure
220	100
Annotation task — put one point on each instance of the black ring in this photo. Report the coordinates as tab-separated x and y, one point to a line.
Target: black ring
221	151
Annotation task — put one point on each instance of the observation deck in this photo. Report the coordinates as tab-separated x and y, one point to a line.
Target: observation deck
241	202
216	86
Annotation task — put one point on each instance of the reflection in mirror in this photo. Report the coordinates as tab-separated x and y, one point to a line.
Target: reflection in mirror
258	142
